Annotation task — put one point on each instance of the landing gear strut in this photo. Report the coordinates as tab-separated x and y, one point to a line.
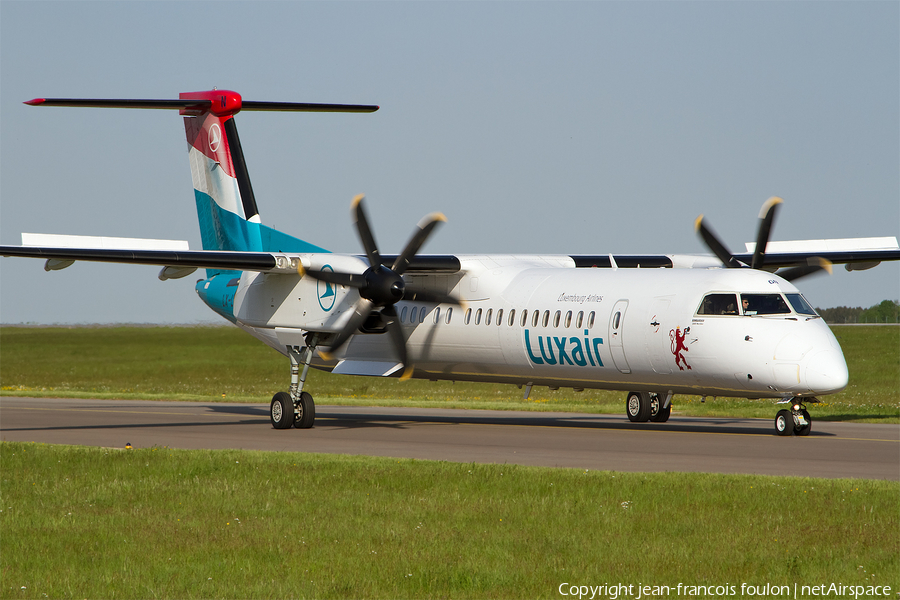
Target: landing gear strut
795	421
296	408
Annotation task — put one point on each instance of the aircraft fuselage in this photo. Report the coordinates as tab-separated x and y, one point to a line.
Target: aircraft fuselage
539	321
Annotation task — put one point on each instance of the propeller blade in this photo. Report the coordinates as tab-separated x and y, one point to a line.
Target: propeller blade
766	218
348	279
365	232
361	312
813	265
425	227
395	331
713	243
413	293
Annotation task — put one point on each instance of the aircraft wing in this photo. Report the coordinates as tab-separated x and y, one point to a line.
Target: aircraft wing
855	253
209	259
60	251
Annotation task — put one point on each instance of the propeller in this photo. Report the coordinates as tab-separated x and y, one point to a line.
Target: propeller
766	220
382	286
812	265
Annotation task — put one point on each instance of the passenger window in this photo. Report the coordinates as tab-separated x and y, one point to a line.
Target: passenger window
590	323
568	319
579	319
512	317
478	317
403	314
449	312
718	304
534	318
616	319
412	314
500	317
556	319
422	313
437	315
764	304
468	315
546	319
487	316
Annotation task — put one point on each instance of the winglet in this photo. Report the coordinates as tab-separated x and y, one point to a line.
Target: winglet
326	355
407	373
35	102
697	223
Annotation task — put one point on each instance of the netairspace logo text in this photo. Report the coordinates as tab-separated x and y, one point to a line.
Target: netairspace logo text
767	590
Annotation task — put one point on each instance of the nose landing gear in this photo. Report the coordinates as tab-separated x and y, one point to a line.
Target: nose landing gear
795	421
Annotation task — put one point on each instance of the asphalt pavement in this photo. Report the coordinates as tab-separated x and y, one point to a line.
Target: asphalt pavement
599	442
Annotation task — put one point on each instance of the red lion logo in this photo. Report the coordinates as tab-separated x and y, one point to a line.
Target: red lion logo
676	337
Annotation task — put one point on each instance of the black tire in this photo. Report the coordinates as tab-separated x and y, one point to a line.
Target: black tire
808	428
281	411
662	415
307	412
784	423
637	407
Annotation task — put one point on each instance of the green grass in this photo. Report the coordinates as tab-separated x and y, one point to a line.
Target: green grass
223	363
162	523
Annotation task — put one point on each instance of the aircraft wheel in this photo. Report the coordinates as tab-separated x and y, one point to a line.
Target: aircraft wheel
784	422
281	411
808	428
637	406
307	414
655	404
662	415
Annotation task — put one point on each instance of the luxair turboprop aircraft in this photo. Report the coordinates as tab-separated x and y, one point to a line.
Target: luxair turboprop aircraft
651	325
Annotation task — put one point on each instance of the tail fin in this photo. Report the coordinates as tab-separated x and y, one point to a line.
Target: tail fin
229	219
226	206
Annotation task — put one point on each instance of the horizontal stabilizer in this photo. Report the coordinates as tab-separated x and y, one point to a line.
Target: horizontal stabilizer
201	105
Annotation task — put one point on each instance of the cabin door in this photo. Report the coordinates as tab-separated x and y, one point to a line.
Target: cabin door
616	345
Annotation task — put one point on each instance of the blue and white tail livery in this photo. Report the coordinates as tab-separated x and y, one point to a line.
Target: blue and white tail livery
226	207
651	325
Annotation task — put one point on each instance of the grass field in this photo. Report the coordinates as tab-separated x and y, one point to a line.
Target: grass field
163	523
225	364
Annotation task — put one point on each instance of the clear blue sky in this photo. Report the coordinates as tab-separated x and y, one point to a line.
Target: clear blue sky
535	127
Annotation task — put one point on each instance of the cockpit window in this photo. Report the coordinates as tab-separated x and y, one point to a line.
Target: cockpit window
719	304
801	305
764	304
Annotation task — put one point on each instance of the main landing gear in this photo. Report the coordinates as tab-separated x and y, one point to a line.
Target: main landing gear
795	421
297	407
648	406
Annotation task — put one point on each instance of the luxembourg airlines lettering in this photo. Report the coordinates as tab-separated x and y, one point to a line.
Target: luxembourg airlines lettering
565	350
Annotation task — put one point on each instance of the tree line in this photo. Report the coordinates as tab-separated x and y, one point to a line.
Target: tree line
888	311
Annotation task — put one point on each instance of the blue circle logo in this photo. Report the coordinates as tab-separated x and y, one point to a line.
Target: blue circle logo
325	291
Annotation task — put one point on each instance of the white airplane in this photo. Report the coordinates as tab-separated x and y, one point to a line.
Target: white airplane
651	325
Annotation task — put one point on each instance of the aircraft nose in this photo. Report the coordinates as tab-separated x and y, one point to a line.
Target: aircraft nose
826	372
